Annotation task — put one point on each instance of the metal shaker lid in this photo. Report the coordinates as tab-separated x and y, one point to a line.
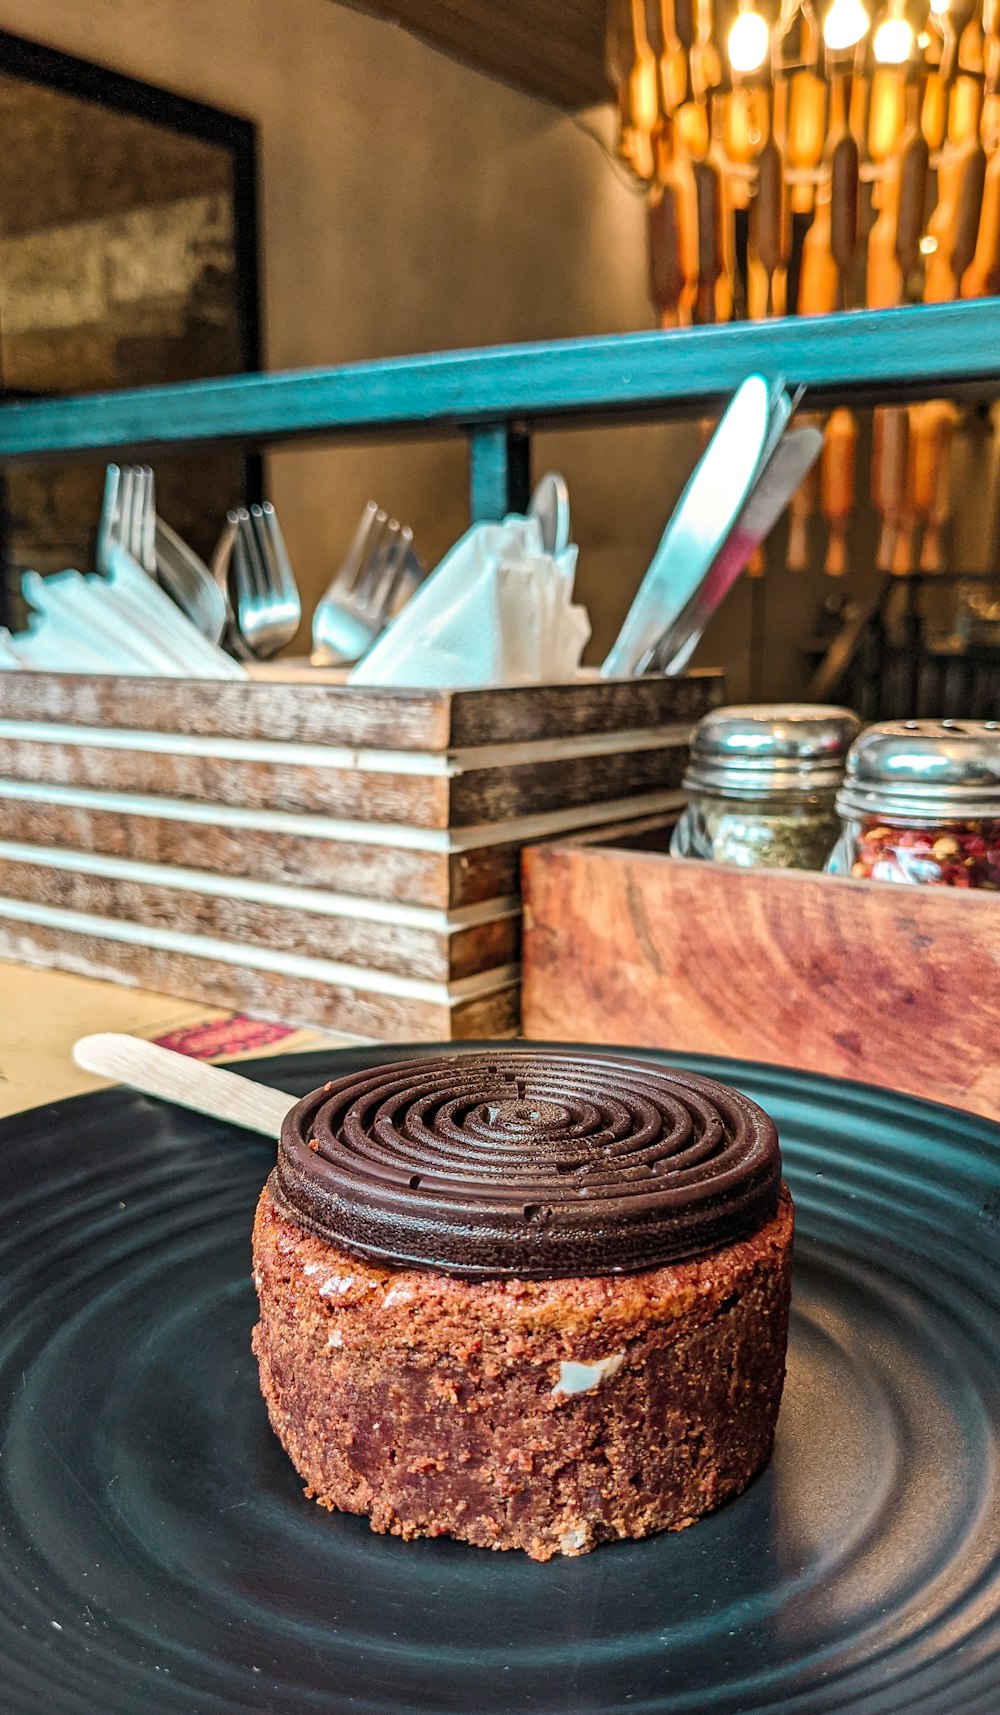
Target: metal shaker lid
752	749
939	769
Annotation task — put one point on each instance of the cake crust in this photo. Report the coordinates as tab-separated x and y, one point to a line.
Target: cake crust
546	1415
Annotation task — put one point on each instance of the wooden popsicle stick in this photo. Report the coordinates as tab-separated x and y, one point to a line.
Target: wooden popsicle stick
770	231
844	162
857	115
837	483
883	281
708	181
190	1083
673	62
803	505
819	279
965	109
914	166
968	211
929	425
706	55
920	483
902	546
890	498
982	277
938	279
845	183
732	194
932	547
886	112
666	273
806	133
934	110
642	159
643	85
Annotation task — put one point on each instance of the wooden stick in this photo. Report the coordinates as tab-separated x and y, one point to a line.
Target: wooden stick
837	483
177	1078
803	505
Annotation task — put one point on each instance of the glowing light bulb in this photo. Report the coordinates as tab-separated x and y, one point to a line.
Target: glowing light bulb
845	24
893	43
939	7
749	40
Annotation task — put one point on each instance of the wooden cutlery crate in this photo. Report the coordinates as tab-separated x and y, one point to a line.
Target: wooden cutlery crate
341	857
891	985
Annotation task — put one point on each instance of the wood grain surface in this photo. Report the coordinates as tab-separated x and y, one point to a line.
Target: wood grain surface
518	713
367	718
443	879
407	876
896	986
304	714
454	800
553	48
440	955
265	994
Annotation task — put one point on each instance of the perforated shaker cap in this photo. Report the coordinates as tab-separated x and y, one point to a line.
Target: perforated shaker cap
753	749
938	769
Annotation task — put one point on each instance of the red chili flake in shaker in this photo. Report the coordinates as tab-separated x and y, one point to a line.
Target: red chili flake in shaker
965	854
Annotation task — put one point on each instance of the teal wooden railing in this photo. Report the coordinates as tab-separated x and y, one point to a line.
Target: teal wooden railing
495	395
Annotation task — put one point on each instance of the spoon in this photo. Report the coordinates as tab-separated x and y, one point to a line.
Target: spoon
549	505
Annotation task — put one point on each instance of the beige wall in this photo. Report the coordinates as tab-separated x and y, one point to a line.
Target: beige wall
408	204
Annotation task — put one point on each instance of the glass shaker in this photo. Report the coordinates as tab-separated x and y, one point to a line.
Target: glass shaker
762	779
921	803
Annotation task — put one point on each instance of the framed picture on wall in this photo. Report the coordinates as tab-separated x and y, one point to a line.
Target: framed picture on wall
128	258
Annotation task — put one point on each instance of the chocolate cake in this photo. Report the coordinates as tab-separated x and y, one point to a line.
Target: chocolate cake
532	1300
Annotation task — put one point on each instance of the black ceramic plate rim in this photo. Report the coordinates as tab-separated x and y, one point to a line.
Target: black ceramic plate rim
958	1124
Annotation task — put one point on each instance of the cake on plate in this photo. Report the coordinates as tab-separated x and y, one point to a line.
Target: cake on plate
529	1299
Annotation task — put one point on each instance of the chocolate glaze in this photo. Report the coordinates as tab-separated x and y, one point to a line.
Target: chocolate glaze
528	1164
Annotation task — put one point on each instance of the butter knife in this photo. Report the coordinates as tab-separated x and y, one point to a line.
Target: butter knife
701	521
784	471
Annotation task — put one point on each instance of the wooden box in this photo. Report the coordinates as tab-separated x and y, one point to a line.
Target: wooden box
891	985
321	854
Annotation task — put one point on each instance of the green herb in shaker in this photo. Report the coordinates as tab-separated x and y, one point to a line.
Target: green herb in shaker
762	780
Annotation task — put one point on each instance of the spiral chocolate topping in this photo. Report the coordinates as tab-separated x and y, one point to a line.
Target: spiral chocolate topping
533	1165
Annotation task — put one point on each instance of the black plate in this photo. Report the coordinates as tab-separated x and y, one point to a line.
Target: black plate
158	1554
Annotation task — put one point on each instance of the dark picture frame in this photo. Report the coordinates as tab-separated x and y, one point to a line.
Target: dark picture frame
92	81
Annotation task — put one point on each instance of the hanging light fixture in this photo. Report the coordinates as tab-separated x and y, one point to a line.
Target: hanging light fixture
845	25
836	92
749	40
892	43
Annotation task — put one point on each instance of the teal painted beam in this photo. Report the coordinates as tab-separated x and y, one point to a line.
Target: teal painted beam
886	354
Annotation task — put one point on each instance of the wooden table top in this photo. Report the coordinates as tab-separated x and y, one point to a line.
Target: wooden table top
43	1012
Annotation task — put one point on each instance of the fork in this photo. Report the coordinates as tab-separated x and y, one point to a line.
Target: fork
360	598
128	519
267	606
185	577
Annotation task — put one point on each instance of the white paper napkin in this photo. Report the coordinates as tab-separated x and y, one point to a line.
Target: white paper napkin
498	610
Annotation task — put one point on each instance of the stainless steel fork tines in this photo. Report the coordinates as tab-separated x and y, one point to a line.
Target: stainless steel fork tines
129	521
128	516
265	595
362	596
